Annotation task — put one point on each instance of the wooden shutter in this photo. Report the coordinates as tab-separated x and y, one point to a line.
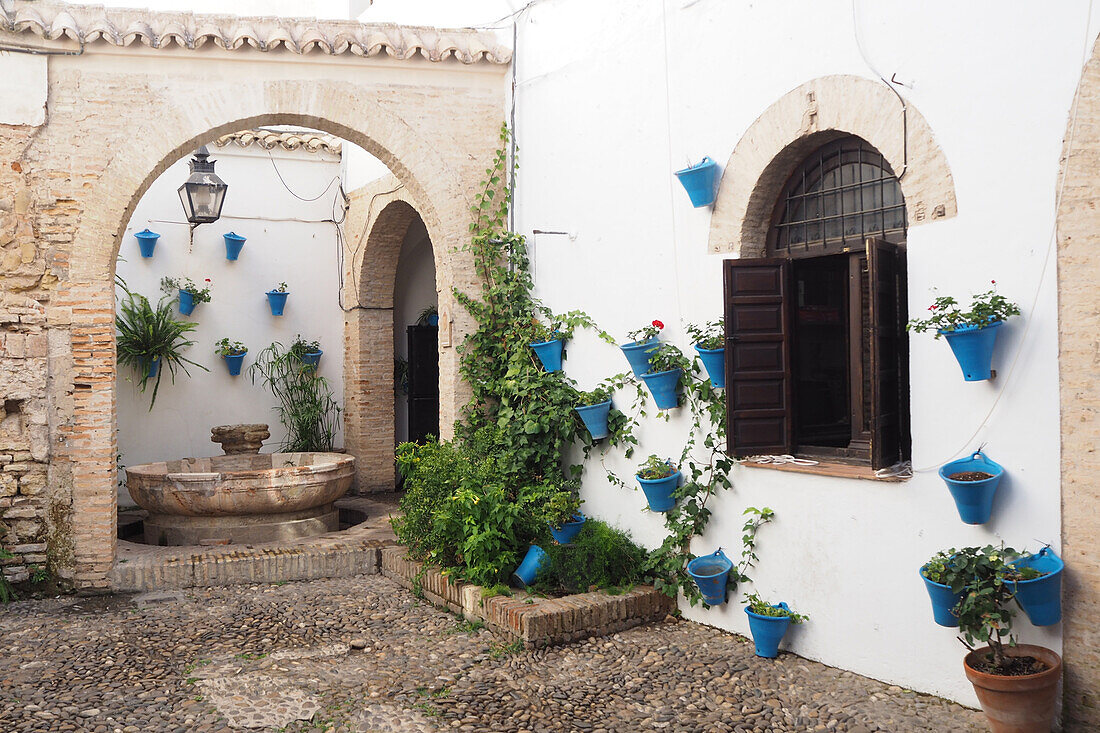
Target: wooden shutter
758	357
889	349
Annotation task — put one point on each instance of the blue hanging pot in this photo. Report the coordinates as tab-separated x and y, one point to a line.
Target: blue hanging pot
277	300
1041	598
974	499
714	361
711	573
154	368
187	302
549	353
233	244
638	353
943	601
533	562
665	387
659	491
564	535
234	362
311	359
768	631
973	348
700	181
147	241
595	418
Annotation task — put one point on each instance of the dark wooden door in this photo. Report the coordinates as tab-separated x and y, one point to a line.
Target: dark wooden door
758	356
889	384
423	343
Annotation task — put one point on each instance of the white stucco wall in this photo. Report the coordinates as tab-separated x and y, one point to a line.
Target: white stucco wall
599	140
413	292
287	240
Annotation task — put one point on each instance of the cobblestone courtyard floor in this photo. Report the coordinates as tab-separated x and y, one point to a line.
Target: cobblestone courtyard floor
279	657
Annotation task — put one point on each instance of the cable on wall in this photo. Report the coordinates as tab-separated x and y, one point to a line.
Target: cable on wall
904	106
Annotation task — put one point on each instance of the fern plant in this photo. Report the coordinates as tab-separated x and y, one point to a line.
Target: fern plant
147	333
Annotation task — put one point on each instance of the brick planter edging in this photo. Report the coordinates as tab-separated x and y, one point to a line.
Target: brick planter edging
535	621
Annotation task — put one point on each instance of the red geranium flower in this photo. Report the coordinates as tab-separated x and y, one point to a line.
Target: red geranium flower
658	324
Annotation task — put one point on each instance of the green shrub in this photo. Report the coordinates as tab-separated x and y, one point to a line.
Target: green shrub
600	556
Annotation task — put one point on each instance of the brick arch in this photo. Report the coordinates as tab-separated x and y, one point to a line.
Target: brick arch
801	121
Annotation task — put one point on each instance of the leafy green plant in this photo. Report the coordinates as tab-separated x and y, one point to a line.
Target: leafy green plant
985	308
711	335
306	405
146	333
425	315
655	468
600	556
667	357
225	347
171	285
763	608
595	397
645	333
280	288
300	346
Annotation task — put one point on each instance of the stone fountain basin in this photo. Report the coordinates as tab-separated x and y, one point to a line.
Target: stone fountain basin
241	484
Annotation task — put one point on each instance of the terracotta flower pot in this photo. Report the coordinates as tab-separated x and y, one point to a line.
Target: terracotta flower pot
1018	704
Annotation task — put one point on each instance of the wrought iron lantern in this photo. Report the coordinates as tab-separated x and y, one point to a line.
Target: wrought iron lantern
203	193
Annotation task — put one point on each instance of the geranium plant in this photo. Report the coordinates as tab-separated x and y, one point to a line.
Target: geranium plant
645	333
655	468
199	294
225	347
710	336
667	357
947	316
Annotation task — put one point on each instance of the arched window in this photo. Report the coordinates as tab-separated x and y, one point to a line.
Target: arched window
817	354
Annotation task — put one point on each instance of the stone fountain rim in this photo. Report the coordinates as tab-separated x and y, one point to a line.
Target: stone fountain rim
340	460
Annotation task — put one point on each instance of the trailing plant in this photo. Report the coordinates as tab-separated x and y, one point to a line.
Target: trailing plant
762	608
709	336
656	468
300	346
645	333
985	308
172	285
600	556
306	405
667	357
146	333
225	347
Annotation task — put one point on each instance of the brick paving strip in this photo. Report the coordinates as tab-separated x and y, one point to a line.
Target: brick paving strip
363	654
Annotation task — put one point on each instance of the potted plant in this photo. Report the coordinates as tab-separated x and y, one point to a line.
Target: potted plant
307	352
659	479
1040	594
188	292
429	316
594	409
147	241
548	344
971	334
711	575
1016	684
233	352
667	366
710	341
972	482
233	244
700	181
768	624
535	561
276	299
151	338
934	573
642	344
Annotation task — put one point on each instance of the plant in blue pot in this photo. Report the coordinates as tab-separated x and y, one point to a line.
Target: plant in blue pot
668	365
276	298
659	480
307	352
768	623
972	333
642	345
938	574
548	343
428	316
710	342
188	293
233	352
595	409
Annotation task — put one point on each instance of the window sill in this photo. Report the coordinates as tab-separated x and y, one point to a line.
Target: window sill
836	470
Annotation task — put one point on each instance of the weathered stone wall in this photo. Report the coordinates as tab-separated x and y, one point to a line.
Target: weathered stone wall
116	119
1079	373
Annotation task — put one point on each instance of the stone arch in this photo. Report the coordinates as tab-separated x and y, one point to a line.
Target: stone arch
805	118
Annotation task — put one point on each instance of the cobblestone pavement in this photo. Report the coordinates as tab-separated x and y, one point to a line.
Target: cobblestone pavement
281	657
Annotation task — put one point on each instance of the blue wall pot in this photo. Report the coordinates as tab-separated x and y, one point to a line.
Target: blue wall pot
700	181
433	319
943	600
549	353
595	418
154	367
568	530
1041	598
187	303
665	387
639	353
974	499
147	242
234	361
973	347
233	244
277	301
714	361
768	631
311	359
710	573
532	564
658	491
